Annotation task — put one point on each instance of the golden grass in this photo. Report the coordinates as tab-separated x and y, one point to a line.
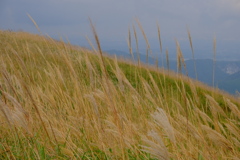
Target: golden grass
193	55
136	41
63	102
214	58
160	43
145	38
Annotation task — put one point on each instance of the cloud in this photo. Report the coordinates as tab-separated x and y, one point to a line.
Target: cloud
112	18
230	5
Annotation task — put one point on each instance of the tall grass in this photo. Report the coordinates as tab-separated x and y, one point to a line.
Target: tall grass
160	44
193	55
214	59
148	48
64	102
136	41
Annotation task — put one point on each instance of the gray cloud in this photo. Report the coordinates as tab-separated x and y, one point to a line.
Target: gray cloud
112	18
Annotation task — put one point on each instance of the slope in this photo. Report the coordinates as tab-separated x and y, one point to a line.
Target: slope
224	70
64	102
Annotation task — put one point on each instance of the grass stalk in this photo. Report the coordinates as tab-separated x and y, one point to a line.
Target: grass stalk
130	44
160	43
193	55
214	60
167	59
34	22
136	41
146	40
99	49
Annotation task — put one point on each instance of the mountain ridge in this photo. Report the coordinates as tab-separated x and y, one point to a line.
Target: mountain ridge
223	69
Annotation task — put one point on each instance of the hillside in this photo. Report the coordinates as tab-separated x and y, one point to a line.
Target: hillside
65	102
224	70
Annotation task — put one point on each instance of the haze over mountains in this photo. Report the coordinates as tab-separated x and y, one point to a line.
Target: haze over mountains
227	72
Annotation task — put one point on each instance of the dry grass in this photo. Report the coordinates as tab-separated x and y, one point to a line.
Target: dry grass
136	42
193	55
148	48
214	58
62	102
160	44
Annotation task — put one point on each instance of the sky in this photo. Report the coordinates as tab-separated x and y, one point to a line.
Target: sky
69	19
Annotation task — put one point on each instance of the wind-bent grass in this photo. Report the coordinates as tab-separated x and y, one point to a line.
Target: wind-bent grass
193	55
214	59
64	102
146	40
136	41
160	44
130	44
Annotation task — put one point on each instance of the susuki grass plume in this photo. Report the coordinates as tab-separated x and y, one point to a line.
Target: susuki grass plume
34	22
214	60
146	40
167	59
130	44
99	48
160	43
193	56
180	59
136	41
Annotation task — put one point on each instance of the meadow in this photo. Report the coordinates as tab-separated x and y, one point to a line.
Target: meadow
60	101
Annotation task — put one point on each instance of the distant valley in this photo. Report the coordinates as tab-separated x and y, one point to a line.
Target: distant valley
227	73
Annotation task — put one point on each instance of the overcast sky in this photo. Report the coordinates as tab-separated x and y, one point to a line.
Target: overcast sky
112	18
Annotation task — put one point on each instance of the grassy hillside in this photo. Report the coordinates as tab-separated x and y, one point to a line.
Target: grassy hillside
63	102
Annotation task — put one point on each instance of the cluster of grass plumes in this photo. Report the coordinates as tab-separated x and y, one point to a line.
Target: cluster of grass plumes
62	102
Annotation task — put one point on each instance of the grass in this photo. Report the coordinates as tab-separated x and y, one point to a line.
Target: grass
64	102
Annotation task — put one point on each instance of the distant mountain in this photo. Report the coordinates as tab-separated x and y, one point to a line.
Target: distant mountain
127	55
204	69
229	67
234	76
231	83
119	53
226	74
